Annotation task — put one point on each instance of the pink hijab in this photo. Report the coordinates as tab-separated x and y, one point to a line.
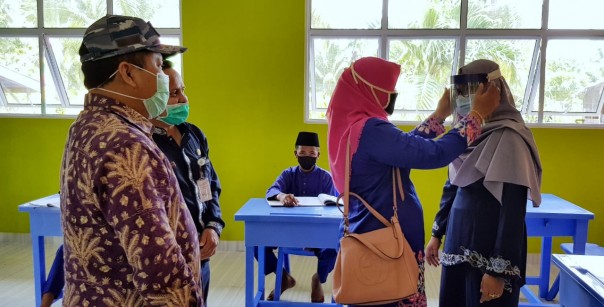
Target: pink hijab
362	92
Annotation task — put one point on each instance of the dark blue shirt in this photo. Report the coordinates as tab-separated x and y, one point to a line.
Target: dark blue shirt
185	163
294	181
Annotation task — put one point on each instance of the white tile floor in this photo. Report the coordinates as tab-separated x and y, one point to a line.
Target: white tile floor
228	273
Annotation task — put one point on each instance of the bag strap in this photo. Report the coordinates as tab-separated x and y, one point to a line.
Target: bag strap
396	174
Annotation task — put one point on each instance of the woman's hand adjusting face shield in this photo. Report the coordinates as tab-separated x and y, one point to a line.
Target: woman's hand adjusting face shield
464	87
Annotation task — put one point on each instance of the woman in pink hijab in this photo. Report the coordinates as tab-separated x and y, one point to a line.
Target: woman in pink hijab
358	117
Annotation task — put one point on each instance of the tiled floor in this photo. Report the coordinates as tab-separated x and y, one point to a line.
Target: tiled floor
228	274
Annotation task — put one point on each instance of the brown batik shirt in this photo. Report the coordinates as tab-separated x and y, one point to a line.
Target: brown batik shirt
129	239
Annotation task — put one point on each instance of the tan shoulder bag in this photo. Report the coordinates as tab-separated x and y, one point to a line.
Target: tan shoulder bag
376	267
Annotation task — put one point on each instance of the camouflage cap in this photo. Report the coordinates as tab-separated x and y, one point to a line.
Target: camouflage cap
114	35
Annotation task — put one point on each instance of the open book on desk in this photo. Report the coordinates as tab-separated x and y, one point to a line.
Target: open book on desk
310	201
48	201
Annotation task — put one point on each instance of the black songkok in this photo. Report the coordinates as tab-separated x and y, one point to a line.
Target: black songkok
307	139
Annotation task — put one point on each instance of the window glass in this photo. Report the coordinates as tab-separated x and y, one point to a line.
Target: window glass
177	58
574	81
576	14
432	38
161	13
73	14
19	75
60	32
423	14
65	52
509	14
425	72
331	57
18	14
346	14
514	57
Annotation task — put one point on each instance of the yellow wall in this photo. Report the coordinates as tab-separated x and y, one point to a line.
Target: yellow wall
244	72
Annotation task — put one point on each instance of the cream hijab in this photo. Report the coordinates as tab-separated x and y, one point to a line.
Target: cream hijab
504	152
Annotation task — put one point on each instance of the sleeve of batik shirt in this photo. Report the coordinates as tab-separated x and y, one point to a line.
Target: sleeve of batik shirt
439	227
430	128
468	127
507	258
142	203
386	143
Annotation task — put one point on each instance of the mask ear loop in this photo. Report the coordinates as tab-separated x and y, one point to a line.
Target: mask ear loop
355	75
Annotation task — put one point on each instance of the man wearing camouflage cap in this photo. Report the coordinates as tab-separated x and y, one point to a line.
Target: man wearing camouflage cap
129	239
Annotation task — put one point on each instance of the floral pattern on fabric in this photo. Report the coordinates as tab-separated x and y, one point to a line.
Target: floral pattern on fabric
419	299
469	127
477	260
431	127
128	237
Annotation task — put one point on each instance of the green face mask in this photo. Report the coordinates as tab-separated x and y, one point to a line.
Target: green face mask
177	114
155	104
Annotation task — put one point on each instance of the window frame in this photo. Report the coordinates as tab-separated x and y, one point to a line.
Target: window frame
536	72
45	52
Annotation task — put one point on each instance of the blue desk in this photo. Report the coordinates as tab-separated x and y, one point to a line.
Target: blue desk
555	217
43	222
284	227
319	226
581	280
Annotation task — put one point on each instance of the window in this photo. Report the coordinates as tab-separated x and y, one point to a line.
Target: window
39	65
532	40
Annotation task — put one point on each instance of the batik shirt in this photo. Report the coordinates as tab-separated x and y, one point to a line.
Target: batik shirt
129	239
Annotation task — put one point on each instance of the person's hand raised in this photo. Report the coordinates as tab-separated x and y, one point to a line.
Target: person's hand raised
486	100
443	109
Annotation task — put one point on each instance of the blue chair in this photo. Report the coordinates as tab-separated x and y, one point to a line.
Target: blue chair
283	262
590	249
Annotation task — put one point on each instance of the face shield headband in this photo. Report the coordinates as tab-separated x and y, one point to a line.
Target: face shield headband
356	76
463	89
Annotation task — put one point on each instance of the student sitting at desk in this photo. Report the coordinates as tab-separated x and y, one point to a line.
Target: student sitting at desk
307	179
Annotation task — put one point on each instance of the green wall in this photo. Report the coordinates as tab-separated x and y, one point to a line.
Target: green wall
244	73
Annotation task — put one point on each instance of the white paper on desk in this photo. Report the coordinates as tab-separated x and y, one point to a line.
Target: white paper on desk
310	201
49	201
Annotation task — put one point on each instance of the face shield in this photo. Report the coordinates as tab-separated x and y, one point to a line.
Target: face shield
463	90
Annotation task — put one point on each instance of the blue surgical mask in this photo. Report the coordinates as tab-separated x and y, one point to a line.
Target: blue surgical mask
463	105
157	103
177	113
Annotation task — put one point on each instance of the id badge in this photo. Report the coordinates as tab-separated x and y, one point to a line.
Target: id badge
205	193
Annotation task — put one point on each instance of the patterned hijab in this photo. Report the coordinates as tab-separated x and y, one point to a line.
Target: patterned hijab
504	152
362	92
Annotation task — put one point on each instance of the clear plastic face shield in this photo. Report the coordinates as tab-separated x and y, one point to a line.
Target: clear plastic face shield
463	90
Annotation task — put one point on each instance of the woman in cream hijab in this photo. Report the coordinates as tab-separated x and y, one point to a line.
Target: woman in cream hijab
483	208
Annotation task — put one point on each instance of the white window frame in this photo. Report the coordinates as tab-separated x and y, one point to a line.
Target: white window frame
537	69
45	50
